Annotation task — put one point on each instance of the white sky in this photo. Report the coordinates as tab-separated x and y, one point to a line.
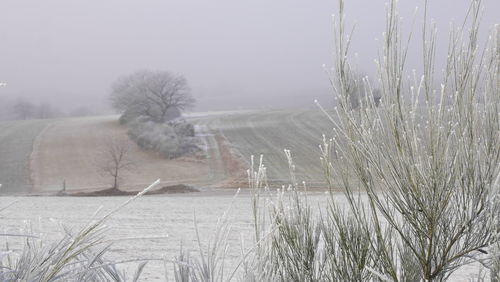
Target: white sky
233	53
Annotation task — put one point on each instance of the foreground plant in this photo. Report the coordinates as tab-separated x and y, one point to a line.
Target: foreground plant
75	257
428	159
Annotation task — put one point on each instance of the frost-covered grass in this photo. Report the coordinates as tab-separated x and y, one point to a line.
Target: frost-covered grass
77	256
427	160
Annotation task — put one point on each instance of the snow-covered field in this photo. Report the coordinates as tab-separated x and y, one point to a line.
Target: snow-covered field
149	216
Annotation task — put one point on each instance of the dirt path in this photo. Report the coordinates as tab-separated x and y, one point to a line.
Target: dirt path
67	151
16	144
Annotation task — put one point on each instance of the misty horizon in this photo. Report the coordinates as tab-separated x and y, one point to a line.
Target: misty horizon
241	55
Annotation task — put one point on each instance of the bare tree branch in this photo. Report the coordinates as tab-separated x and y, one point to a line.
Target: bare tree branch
114	159
151	94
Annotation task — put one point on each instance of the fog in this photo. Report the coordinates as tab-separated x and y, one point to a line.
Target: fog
234	54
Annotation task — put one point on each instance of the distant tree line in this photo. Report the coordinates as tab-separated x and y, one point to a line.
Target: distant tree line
23	109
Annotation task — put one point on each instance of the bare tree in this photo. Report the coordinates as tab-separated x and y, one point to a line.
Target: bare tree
23	109
46	110
114	159
81	112
154	94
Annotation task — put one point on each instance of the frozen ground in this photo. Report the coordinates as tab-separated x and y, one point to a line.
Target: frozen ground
150	216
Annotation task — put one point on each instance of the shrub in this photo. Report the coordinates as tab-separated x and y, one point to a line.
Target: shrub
170	140
427	161
77	256
427	158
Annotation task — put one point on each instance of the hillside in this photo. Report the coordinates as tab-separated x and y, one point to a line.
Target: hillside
67	153
45	156
269	133
16	145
